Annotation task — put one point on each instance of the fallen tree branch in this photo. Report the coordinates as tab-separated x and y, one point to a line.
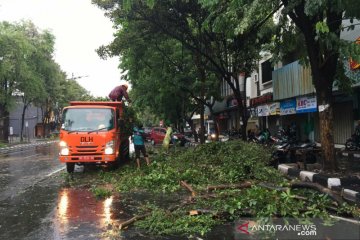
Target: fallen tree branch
188	187
317	187
132	220
310	185
272	187
202	211
229	186
140	217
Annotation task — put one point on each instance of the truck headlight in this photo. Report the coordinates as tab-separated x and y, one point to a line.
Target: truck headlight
64	151
109	147
213	136
62	144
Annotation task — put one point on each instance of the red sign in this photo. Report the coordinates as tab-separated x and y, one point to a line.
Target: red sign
261	100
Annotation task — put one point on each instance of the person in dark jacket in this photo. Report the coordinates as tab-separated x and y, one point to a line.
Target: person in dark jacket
119	92
138	138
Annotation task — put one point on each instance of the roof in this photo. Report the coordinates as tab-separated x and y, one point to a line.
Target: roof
93	103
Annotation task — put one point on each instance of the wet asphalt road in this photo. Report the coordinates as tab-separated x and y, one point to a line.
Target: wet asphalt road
29	185
35	203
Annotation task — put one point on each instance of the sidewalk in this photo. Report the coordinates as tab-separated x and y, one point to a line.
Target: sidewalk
346	185
16	144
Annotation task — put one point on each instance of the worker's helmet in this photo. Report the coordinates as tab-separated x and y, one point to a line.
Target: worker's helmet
125	86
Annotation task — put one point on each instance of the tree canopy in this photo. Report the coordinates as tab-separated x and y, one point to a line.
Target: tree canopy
28	70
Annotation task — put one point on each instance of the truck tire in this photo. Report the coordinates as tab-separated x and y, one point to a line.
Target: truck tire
124	151
70	167
123	155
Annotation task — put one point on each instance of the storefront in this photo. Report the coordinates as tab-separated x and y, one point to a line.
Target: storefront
299	111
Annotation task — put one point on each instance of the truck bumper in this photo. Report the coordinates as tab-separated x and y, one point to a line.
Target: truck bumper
88	158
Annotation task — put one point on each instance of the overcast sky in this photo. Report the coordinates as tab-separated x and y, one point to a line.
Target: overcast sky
79	28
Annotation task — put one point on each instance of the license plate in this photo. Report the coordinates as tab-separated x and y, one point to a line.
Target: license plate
85	158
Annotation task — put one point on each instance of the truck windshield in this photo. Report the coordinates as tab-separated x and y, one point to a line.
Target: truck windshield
87	119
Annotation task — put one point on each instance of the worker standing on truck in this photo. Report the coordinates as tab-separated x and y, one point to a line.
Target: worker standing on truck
139	144
119	92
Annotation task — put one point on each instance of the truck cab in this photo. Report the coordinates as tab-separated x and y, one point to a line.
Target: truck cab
91	133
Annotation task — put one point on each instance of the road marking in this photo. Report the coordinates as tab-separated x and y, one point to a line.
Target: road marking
56	171
31	156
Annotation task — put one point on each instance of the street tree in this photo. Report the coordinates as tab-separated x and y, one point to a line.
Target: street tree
320	22
31	84
163	73
15	48
212	30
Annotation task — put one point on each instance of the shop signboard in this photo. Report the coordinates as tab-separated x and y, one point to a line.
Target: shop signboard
274	108
253	112
263	110
288	107
306	104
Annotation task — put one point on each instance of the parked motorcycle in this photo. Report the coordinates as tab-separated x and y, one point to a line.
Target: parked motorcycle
352	144
286	153
281	154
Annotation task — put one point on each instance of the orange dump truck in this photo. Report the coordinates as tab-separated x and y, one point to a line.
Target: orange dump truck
91	133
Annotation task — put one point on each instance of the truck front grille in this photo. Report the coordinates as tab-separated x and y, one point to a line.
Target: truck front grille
87	150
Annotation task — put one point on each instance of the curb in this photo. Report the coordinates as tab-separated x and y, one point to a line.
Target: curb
26	145
335	184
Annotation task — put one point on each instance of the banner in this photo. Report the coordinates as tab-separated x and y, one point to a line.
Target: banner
263	110
306	104
274	108
288	107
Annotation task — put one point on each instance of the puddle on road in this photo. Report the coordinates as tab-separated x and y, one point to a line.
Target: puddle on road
80	215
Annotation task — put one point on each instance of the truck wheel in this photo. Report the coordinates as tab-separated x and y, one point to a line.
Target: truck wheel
123	155
70	167
124	151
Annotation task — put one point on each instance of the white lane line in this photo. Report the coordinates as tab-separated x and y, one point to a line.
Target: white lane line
31	156
56	171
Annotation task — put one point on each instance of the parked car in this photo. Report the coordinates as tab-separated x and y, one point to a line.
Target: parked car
157	136
147	131
188	132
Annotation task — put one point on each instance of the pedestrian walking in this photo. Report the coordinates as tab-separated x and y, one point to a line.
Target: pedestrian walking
138	138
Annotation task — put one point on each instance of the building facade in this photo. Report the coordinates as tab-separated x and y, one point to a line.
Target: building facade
33	118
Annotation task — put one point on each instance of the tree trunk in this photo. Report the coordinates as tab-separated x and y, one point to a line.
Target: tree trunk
325	104
202	122
193	130
22	124
4	124
245	115
245	119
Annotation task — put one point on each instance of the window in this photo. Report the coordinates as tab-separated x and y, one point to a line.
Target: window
266	71
88	119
